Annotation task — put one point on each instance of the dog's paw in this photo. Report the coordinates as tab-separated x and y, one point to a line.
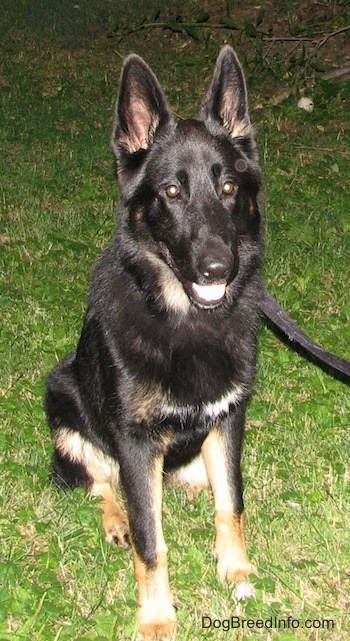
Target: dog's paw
236	570
156	623
244	590
116	527
156	632
237	574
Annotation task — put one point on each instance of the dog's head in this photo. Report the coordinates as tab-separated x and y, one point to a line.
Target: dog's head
190	190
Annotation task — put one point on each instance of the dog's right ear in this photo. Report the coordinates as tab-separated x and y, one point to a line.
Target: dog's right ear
141	109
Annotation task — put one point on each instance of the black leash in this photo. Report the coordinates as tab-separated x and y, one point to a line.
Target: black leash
281	323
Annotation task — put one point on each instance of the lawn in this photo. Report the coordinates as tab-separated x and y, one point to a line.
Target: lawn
59	580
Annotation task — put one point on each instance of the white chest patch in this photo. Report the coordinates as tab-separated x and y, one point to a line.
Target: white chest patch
213	410
210	410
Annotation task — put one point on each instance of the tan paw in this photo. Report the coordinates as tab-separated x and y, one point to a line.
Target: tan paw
156	624
116	527
156	632
234	568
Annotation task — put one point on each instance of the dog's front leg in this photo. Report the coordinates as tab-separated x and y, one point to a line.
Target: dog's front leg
142	479
222	456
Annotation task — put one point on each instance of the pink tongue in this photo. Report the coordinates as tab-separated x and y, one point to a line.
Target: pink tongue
209	293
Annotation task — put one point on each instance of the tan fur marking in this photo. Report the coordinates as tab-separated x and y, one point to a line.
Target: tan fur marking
230	547
175	297
193	476
174	294
115	522
145	401
98	465
104	472
156	616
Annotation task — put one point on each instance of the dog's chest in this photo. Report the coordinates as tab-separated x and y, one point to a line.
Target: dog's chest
202	410
201	374
192	381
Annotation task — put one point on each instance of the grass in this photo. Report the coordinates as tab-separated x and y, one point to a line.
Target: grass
59	580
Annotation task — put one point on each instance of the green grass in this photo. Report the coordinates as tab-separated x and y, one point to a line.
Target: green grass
59	580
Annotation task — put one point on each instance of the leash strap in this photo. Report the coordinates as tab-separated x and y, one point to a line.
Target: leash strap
281	321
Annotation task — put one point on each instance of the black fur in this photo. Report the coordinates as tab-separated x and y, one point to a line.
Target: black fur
167	353
132	334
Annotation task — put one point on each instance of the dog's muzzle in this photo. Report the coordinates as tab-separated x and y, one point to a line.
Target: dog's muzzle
216	266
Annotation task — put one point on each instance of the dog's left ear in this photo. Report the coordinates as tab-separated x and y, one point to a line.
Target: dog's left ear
226	102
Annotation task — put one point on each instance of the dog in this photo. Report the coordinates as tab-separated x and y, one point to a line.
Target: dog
158	385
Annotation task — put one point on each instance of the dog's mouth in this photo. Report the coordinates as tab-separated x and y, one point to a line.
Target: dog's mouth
207	295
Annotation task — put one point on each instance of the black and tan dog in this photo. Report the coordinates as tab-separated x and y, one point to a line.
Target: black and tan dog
160	380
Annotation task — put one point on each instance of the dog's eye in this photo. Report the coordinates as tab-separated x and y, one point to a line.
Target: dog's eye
172	191
228	187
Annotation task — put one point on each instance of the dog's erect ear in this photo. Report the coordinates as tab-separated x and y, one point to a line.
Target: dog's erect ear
226	101
141	107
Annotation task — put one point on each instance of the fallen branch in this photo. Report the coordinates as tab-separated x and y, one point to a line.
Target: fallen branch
318	42
327	36
336	73
178	26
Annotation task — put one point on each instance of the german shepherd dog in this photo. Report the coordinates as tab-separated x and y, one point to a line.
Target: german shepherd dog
159	383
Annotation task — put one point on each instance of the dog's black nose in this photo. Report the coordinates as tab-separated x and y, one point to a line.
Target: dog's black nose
215	268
